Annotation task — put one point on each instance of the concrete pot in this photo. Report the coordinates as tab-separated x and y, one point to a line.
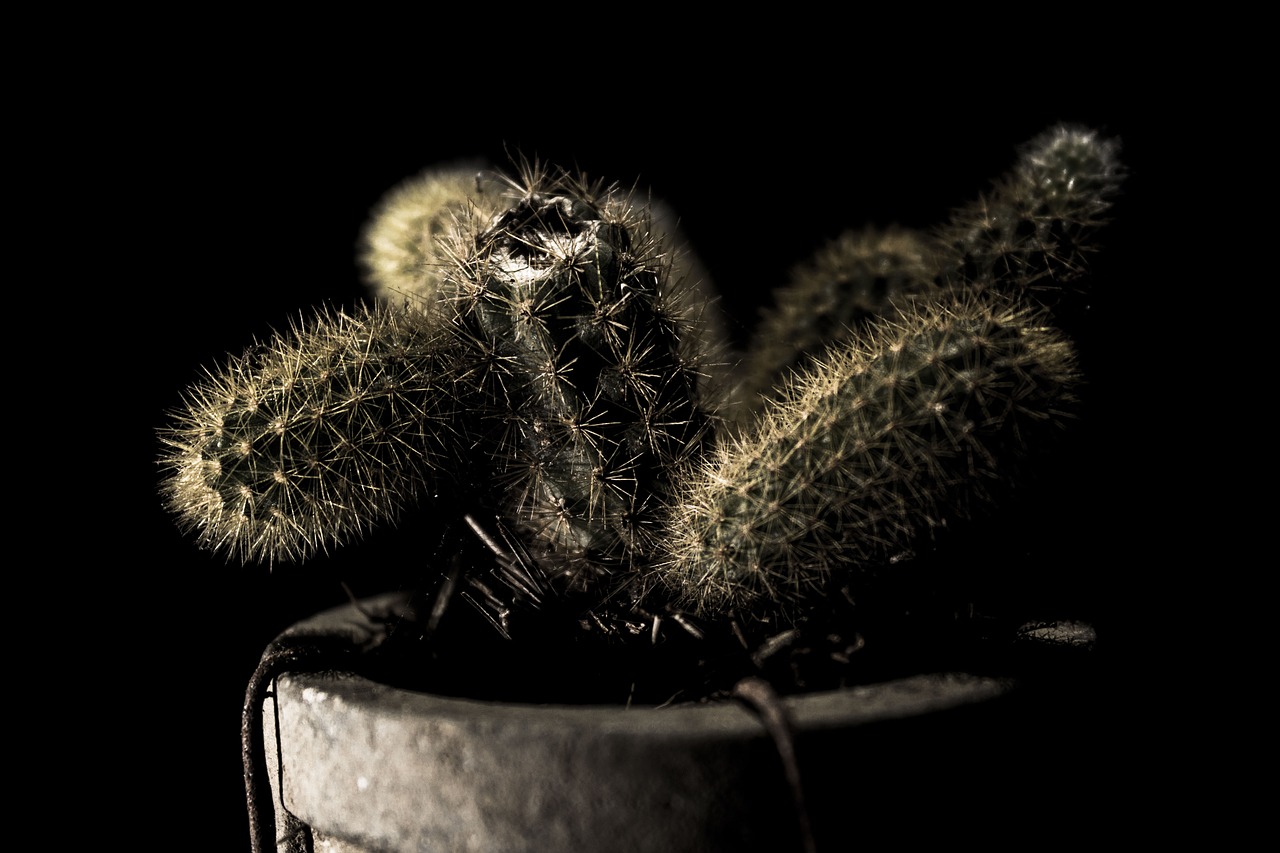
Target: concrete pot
356	765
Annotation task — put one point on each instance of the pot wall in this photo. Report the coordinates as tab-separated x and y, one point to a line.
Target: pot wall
370	767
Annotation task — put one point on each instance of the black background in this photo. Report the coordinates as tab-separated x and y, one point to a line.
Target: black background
242	197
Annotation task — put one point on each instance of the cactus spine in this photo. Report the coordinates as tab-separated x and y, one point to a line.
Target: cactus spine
890	435
308	440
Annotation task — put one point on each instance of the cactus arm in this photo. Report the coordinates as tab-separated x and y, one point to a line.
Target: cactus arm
314	437
1035	230
866	452
402	253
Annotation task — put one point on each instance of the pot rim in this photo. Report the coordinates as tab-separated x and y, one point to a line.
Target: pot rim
361	623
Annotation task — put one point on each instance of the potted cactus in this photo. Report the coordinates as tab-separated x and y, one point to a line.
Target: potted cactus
621	510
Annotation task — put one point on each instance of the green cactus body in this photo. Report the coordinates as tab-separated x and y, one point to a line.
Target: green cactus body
1032	233
1035	229
566	296
886	437
401	246
850	280
312	438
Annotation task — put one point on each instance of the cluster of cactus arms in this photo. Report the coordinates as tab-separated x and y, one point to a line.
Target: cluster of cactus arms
545	352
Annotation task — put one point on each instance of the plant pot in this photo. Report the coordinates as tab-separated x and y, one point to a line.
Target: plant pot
356	765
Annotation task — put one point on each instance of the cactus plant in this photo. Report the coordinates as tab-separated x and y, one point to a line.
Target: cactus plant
549	335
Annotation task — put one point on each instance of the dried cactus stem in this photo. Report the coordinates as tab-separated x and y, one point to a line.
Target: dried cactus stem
565	294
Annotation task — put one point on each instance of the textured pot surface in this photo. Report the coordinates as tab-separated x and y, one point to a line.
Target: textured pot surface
370	767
